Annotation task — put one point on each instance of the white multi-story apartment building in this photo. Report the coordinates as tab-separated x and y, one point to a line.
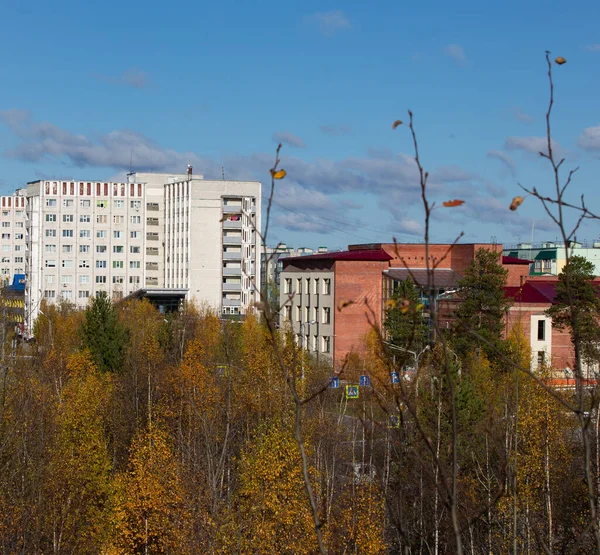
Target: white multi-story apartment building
84	237
211	244
157	231
13	237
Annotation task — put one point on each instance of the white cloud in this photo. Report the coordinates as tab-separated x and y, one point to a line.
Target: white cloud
522	116
131	77
285	137
329	22
590	138
506	160
42	140
456	52
535	145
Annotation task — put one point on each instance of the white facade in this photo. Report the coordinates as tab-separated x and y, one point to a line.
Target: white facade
83	237
211	244
155	231
13	232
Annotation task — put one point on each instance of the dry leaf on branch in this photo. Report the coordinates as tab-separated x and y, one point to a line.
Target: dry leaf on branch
279	174
343	304
560	61
452	203
396	123
516	202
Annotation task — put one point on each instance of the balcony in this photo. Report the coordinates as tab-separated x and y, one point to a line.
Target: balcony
231	302
232	271
232	287
232	224
232	239
232	208
232	255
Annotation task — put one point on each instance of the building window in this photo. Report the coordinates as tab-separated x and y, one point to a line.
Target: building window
18	259
287	289
49	294
298	314
85	219
66	279
101	204
541	331
288	313
84	279
84	294
51	279
50	264
5	224
134	264
298	286
101	248
547	265
326	286
136	204
50	248
119	203
6	236
326	315
118	219
118	249
18	248
50	202
67	264
135	250
67	248
134	280
541	358
67	218
136	219
50	217
100	263
100	279
102	219
67	233
118	279
84	263
101	234
117	264
85	203
84	248
326	344
51	233
117	234
68	202
85	233
134	234
18	236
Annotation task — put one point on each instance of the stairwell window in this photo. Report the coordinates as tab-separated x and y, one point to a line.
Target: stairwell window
541	331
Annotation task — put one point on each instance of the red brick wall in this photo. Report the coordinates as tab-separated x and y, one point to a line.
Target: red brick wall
359	282
515	273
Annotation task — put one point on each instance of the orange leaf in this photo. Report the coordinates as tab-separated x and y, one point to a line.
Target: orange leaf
516	202
452	203
280	174
396	124
391	303
560	61
343	304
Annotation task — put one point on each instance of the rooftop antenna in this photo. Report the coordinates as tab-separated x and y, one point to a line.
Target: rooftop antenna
223	172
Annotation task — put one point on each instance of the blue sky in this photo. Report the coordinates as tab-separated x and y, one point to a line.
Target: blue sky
83	85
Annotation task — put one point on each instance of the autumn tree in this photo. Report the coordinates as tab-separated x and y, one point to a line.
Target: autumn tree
103	334
576	307
405	323
482	307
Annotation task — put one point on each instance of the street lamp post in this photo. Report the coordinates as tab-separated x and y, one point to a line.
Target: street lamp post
416	355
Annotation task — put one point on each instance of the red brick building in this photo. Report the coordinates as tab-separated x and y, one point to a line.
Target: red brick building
316	290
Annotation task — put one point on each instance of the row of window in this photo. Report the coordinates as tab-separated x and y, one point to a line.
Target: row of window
18	236
314	285
117	249
6	248
69	188
18	260
11	224
87	203
100	264
100	219
18	213
86	234
322	344
65	280
305	314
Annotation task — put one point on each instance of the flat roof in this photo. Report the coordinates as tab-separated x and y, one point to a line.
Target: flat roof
444	278
375	255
